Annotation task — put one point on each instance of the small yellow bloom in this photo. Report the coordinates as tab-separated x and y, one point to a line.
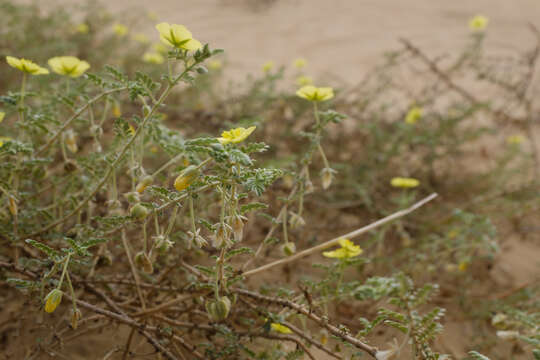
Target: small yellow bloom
68	65
402	182
300	63
215	65
280	328
26	66
177	36
478	23
267	66
131	130
82	28
153	58
235	135
120	30
141	38
52	300
2	115
160	48
4	139
313	93
515	139
414	114
304	80
463	266
452	234
348	250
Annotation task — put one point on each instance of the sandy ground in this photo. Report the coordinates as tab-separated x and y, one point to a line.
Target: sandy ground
340	38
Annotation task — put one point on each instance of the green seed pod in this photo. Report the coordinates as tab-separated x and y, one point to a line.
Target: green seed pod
143	183
288	248
139	212
132	197
218	310
142	260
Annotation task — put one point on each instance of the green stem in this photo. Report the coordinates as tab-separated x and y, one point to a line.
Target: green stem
66	262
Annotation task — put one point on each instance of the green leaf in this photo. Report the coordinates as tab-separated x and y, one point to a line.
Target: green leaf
477	356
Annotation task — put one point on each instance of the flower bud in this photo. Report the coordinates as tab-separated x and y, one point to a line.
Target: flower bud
52	300
70	166
71	141
139	212
196	239
238	227
323	336
296	221
143	183
162	243
12	203
143	261
218	310
133	197
186	177
96	130
327	175
75	316
221	236
308	187
288	248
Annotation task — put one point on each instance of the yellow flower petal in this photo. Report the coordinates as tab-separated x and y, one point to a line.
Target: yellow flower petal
414	114
68	65
153	58
235	135
2	115
281	328
120	30
478	23
312	93
348	250
26	66
267	66
299	63
177	36
404	182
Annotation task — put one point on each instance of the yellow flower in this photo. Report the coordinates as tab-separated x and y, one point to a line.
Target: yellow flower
267	66
141	38
313	93
414	114
82	28
120	30
26	66
52	300
68	65
304	80
280	328
515	139
300	63
160	48
177	36
215	65
235	135
131	130
2	115
153	58
402	182
348	250
478	23
463	266
4	139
